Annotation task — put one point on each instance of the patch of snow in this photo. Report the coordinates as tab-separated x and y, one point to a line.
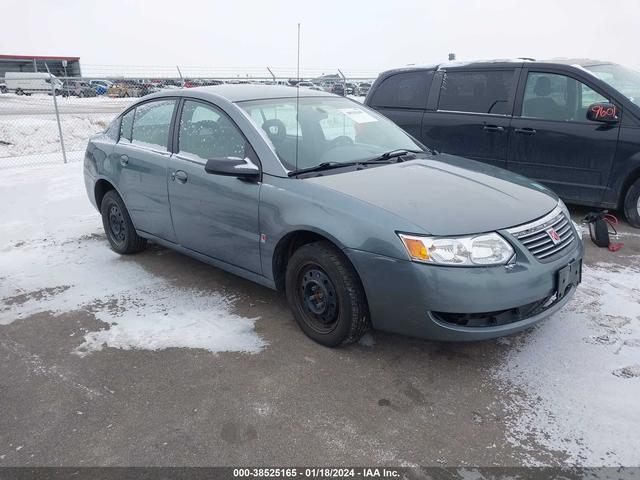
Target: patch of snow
572	383
55	258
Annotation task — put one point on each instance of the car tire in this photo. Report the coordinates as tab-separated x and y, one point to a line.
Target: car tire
19	91
632	204
118	226
325	295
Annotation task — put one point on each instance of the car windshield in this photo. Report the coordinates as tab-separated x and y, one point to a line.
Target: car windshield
325	129
623	79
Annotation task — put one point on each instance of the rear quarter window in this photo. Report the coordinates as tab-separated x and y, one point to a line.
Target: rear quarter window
403	90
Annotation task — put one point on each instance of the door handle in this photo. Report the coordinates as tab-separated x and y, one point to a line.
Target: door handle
124	160
180	176
493	128
525	131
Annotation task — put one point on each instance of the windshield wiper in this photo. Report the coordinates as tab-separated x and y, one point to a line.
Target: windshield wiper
397	153
321	167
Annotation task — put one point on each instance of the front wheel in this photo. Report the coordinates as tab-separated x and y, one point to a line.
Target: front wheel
118	226
632	204
325	295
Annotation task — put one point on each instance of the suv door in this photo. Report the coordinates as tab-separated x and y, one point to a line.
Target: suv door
552	140
402	97
212	214
472	113
140	159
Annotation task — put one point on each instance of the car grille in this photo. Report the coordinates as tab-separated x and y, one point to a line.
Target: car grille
537	236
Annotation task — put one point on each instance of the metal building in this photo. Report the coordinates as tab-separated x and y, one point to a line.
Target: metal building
36	63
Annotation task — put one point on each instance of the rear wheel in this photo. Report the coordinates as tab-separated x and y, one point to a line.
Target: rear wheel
325	295
632	204
19	91
117	225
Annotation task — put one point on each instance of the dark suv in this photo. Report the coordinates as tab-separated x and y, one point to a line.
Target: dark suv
573	125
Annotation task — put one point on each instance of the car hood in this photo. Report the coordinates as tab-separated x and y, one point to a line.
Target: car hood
446	195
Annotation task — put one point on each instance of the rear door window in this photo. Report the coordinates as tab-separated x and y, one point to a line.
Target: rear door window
487	92
151	124
403	90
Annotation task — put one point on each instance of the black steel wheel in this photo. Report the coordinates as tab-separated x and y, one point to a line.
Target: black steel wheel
117	224
325	295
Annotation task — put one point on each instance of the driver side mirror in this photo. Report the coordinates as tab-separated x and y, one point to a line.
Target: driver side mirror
233	167
603	112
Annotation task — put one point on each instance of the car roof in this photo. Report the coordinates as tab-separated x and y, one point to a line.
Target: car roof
499	62
245	92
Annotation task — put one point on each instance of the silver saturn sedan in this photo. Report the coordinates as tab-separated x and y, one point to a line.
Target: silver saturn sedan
317	196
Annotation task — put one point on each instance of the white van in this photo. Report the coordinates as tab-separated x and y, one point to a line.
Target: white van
26	83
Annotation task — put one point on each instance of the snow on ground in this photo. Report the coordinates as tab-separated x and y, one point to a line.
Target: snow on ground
55	258
573	383
32	135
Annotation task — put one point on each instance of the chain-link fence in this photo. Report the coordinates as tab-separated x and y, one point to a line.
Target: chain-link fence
48	119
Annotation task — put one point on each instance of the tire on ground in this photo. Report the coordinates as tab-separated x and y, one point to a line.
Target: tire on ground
132	242
353	313
632	204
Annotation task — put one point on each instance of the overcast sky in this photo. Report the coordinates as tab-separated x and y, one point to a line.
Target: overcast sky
354	35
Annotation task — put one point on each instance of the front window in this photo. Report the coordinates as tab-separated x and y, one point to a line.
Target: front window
207	133
552	96
321	130
623	79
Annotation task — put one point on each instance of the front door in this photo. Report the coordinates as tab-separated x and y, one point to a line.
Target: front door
473	115
213	214
553	142
141	158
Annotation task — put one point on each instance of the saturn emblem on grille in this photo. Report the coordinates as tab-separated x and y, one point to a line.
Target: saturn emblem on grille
553	235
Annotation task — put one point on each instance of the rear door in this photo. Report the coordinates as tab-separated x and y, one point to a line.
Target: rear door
140	160
214	215
471	113
402	97
553	142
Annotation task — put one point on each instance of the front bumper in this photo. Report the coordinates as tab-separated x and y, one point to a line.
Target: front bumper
413	299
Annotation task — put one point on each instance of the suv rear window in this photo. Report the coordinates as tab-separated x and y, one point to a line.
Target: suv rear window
478	92
403	90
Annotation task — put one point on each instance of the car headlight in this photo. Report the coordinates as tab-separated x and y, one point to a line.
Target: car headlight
476	250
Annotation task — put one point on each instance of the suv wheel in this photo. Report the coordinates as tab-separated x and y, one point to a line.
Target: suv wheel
325	295
117	225
632	204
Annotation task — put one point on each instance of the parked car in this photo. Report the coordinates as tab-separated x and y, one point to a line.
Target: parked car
26	83
363	88
545	120
77	88
124	89
100	86
358	223
339	88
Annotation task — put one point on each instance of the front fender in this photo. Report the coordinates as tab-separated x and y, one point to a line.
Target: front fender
291	205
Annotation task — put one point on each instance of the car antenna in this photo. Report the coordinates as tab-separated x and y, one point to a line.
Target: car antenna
298	98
